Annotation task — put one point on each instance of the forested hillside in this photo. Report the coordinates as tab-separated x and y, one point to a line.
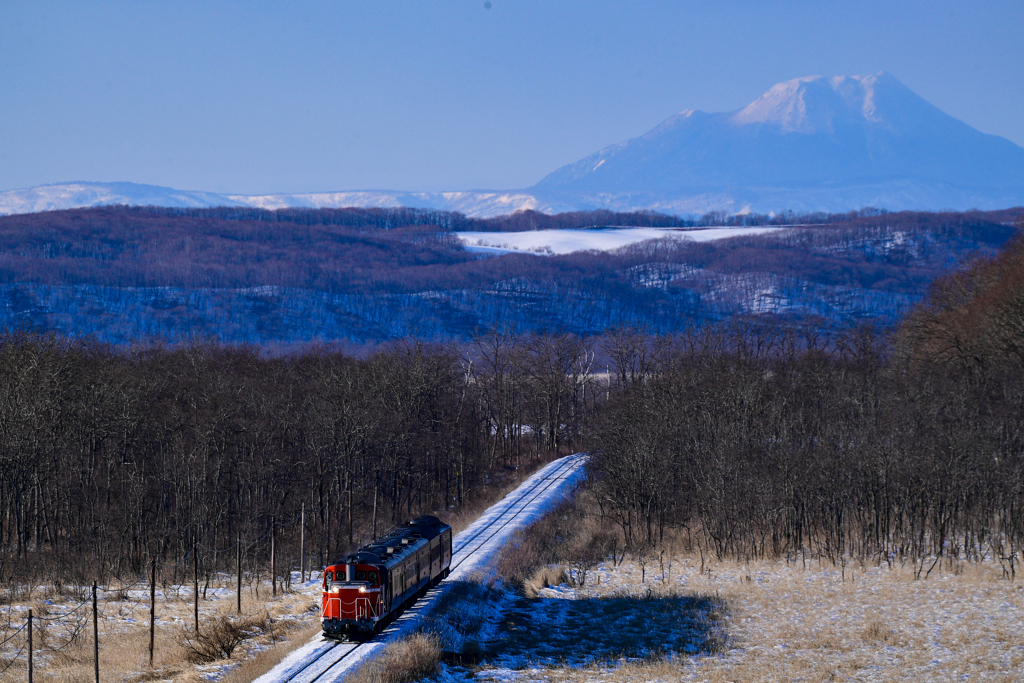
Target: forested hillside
284	277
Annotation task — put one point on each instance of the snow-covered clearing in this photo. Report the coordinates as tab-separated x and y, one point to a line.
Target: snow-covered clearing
600	239
782	623
497	629
473	549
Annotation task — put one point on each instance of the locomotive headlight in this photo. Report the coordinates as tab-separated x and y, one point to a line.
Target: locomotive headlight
362	589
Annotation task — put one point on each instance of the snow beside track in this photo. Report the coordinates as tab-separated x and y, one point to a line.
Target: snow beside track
472	551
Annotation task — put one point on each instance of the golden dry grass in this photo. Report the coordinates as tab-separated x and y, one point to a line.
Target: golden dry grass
252	668
543	577
405	661
787	623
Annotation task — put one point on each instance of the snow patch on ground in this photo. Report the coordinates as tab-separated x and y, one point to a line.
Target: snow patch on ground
602	239
795	622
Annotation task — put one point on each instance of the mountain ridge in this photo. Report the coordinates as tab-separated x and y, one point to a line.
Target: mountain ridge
58	196
809	144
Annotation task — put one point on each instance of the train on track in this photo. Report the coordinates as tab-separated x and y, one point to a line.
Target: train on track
373	585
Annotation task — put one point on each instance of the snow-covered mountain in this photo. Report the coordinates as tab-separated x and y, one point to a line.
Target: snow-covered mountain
74	195
471	203
809	144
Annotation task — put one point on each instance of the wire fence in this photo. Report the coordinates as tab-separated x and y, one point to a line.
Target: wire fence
11	637
17	655
73	629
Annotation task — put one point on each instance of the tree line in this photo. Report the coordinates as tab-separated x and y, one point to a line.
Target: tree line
528	219
904	446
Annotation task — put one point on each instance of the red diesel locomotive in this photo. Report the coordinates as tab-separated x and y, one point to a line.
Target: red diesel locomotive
374	584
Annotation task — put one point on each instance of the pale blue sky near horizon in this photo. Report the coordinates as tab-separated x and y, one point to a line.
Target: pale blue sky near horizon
422	95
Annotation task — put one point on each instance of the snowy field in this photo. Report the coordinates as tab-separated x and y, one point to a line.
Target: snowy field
554	242
63	641
782	622
472	550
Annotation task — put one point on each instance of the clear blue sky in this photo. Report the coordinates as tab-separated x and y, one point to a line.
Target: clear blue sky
256	97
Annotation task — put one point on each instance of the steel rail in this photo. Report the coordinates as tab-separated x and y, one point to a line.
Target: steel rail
550	480
512	503
319	659
334	663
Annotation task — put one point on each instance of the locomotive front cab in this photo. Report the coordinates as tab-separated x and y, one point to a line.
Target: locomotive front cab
354	600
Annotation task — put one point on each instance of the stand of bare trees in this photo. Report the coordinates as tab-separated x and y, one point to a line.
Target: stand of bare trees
111	458
758	444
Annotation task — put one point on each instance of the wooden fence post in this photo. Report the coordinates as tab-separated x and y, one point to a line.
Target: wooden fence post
238	563
302	547
195	583
30	646
152	610
95	636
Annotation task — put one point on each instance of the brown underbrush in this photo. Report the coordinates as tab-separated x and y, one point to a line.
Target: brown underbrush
407	660
222	636
562	546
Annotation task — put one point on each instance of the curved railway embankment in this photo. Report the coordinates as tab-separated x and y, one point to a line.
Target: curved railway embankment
325	661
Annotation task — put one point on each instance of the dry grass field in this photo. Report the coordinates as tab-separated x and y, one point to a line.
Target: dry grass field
782	622
763	621
267	630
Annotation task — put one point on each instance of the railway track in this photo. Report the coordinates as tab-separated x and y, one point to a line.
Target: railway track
323	663
329	660
463	549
